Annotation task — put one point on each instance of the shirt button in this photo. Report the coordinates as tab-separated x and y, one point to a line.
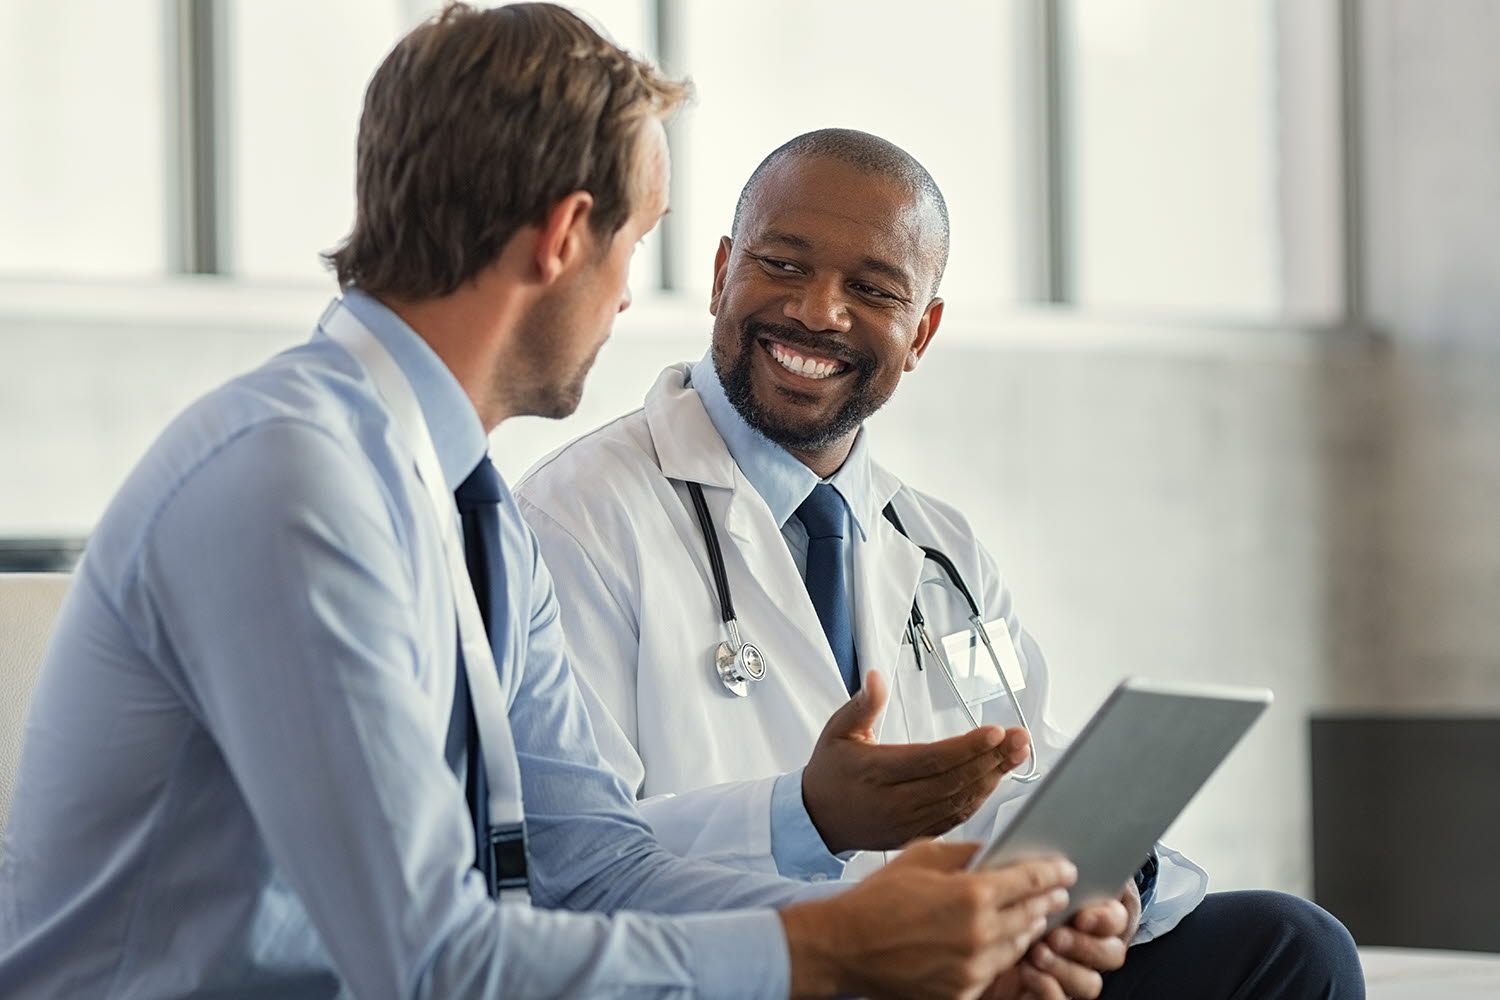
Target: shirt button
818	877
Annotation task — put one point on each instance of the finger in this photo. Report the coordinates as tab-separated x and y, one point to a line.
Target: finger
914	761
1012	931
1022	880
994	762
1105	953
933	819
856	718
987	766
941	855
1075	979
1016	746
1105	919
1039	984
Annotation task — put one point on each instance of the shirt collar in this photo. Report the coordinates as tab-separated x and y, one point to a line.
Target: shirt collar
782	481
454	424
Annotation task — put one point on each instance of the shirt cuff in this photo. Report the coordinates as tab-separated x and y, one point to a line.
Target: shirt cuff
796	846
738	953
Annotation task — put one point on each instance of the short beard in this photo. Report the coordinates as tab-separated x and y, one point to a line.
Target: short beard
534	386
736	379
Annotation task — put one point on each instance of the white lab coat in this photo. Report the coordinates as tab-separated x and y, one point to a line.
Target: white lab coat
618	532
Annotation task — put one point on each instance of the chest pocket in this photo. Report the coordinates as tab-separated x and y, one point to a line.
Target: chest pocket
928	709
910	717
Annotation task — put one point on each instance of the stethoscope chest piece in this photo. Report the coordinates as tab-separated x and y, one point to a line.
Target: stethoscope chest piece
738	664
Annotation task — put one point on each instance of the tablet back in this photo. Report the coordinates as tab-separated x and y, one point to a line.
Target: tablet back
1124	780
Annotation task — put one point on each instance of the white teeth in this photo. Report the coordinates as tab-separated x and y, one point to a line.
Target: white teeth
806	367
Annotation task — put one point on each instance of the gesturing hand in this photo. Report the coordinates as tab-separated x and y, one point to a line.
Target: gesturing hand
864	795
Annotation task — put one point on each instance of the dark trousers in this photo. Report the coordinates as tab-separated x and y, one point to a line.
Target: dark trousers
1244	946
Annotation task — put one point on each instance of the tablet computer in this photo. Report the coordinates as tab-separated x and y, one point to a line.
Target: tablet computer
1121	783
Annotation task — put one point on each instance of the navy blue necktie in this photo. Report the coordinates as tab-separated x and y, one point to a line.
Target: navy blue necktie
823	515
478	500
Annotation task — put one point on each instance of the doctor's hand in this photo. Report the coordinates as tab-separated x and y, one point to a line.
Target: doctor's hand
868	796
922	926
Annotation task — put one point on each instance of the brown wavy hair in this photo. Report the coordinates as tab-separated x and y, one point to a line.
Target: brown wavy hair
475	125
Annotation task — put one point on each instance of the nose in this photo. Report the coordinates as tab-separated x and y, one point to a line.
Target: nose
625	299
819	306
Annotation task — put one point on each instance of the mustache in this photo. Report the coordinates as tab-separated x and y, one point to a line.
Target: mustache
823	345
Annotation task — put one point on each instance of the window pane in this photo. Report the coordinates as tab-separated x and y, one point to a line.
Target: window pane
299	72
82	161
1170	128
628	23
937	82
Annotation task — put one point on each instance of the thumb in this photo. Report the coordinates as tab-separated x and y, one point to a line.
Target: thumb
942	855
856	717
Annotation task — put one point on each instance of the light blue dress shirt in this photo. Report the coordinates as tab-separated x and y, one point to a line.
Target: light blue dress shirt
783	482
233	779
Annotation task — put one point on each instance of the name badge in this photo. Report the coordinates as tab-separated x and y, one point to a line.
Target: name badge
974	670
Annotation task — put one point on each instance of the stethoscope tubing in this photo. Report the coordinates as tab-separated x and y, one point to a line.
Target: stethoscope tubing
916	624
715	553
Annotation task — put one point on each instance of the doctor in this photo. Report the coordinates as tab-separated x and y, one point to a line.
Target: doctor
741	506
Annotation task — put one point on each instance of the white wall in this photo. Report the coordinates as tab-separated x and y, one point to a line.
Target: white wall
1415	617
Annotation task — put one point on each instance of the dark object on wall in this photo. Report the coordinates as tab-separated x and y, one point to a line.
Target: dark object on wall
39	555
1406	828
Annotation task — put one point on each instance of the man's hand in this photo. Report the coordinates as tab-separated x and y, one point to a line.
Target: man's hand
922	926
1070	961
869	796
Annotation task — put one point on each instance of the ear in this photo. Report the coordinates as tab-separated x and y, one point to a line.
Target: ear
927	328
565	237
721	268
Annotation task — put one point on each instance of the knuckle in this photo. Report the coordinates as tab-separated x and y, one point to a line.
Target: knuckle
974	898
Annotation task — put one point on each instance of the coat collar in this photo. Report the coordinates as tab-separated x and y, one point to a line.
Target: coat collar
688	447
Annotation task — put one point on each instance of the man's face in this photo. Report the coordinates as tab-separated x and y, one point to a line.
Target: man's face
822	300
570	325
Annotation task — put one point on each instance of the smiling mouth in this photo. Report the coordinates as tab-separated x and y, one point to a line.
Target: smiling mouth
802	363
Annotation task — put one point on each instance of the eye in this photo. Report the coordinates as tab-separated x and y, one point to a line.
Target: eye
870	290
777	264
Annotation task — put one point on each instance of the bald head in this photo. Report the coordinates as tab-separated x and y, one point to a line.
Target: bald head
872	155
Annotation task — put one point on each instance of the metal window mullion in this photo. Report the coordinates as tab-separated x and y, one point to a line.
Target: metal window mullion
1041	180
666	43
1351	163
198	195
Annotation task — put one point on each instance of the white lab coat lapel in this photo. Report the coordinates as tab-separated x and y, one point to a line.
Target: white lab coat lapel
770	597
887	571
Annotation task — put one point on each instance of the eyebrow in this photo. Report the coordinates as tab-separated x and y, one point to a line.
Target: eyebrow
899	275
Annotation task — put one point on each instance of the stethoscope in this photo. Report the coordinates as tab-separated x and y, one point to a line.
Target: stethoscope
739	663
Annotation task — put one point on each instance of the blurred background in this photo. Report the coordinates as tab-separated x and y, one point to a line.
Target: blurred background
1218	381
